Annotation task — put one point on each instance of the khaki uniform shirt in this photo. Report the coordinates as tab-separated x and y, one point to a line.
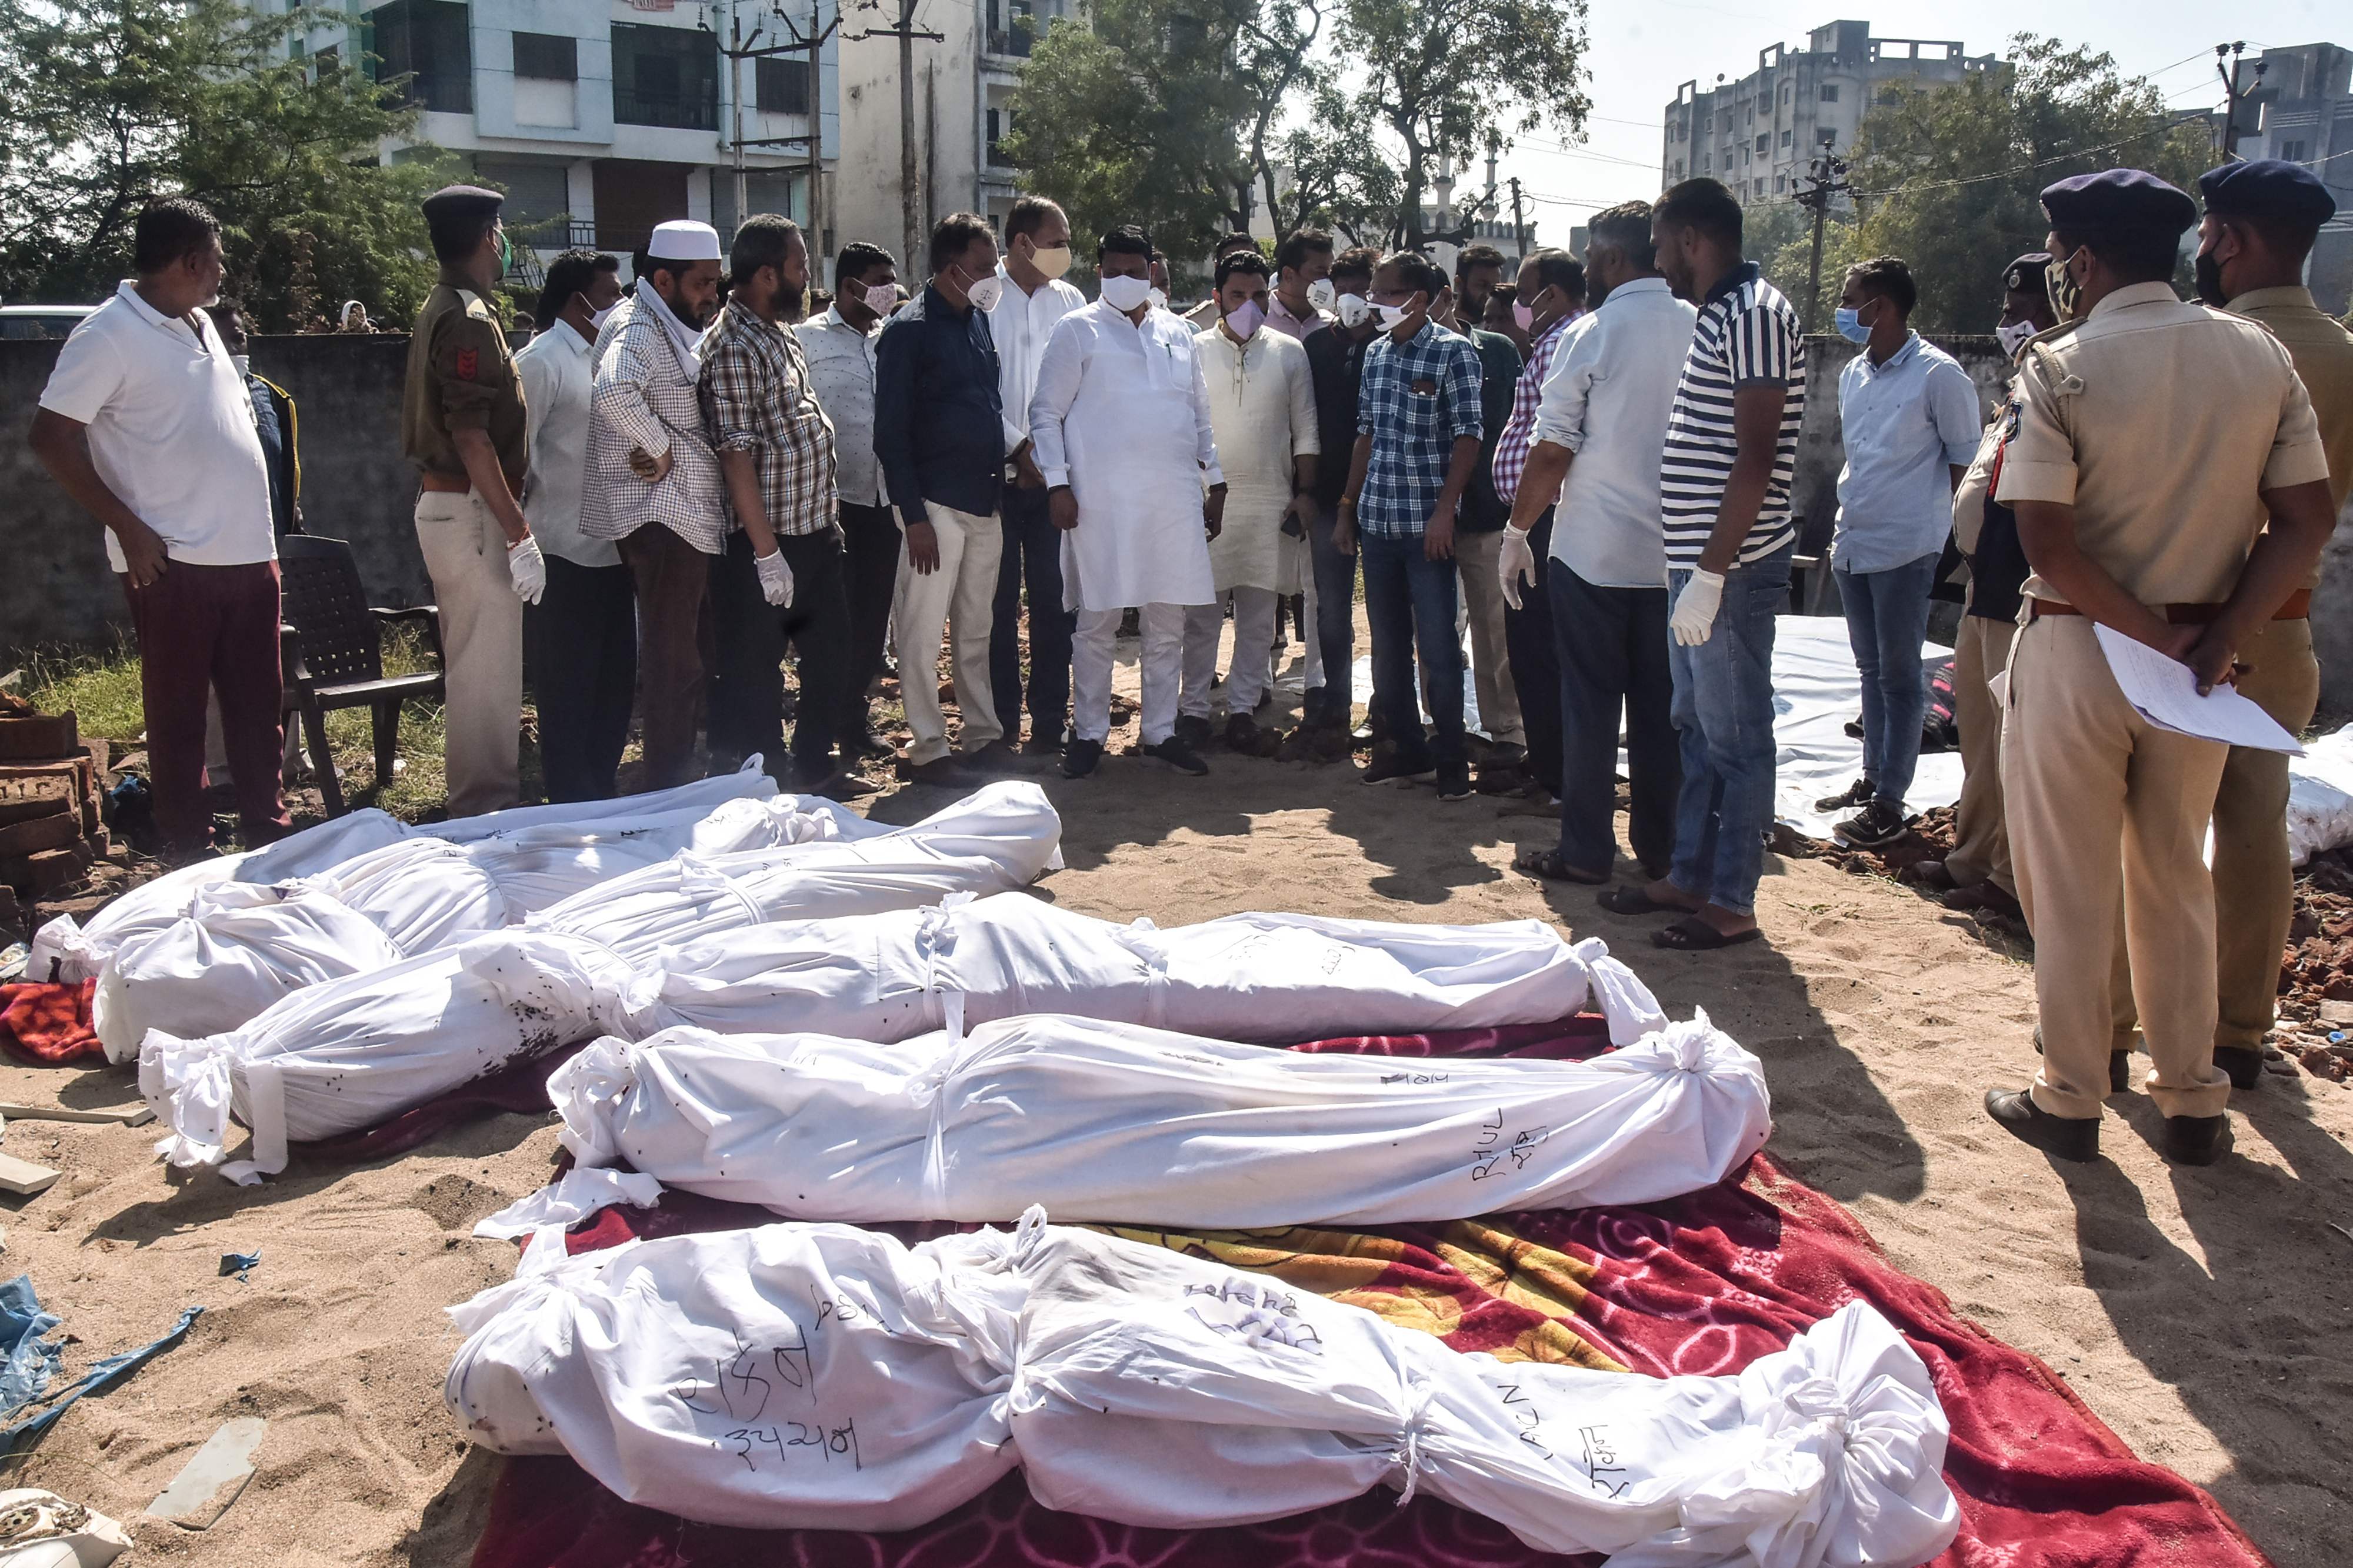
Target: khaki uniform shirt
2322	351
2159	422
461	377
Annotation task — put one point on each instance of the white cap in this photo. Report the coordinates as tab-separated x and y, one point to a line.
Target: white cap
683	239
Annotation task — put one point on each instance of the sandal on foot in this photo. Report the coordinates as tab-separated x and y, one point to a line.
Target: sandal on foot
1630	899
1546	865
1695	935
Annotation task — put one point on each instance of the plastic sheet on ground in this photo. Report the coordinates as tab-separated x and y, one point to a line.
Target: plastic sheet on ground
2320	797
822	1376
1817	693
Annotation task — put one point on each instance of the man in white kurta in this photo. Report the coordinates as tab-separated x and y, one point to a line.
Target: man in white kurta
1262	412
1120	423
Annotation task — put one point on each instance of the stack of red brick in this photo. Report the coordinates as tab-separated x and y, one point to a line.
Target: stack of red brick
50	830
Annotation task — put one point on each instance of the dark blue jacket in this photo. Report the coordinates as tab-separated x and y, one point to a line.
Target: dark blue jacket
939	417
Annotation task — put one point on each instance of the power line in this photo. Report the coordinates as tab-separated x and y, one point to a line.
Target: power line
1894	191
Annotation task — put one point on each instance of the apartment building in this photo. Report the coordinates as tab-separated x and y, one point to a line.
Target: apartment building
2305	101
1758	134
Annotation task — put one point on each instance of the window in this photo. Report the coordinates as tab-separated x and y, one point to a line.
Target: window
1780	182
783	85
429	43
1760	186
2295	152
1679	168
1702	163
538	199
548	56
1787	93
1752	114
665	76
1830	93
1766	141
1000	124
1784	139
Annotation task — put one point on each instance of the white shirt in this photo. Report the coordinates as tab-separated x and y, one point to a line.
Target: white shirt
841	374
1607	399
171	430
556	382
1019	326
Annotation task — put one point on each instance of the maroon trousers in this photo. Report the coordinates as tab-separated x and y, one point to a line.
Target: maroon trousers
213	627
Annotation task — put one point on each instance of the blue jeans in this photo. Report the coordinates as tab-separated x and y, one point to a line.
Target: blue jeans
1032	559
1886	618
1724	728
1409	600
1335	624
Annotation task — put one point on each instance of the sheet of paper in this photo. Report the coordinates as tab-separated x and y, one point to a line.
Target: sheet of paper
2164	692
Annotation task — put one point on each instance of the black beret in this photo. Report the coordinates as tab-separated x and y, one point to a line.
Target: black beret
2268	188
2026	275
2117	199
461	202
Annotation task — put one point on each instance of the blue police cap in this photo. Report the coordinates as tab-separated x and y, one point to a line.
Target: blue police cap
2117	199
461	202
2268	188
2025	275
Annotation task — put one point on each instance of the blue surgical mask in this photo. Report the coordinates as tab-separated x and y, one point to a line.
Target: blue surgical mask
1851	327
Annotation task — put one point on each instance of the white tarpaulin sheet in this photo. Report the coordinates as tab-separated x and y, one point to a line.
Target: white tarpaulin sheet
1270	978
825	1377
1109	1121
2320	797
79	953
1817	693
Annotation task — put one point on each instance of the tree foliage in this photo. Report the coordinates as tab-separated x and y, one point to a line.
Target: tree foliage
112	102
1951	177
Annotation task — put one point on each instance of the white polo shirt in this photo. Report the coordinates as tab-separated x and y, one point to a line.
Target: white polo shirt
171	430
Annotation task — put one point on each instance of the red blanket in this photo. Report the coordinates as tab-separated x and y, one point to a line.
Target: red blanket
1705	1284
49	1024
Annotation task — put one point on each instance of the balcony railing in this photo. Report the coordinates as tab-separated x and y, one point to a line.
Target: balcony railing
997	156
673	113
449	92
1014	41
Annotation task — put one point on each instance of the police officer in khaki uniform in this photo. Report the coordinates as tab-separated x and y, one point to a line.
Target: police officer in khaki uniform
2262	219
461	423
2150	442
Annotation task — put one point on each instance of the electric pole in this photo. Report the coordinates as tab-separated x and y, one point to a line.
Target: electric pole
910	208
1825	180
1519	227
739	47
2232	94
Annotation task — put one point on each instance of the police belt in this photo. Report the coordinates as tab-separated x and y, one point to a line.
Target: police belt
445	484
2298	607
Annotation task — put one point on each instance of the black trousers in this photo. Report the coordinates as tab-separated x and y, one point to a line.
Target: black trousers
1612	654
869	574
1535	665
1032	560
580	648
753	635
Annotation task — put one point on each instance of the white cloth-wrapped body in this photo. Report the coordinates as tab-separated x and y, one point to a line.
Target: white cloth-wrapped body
1150	1387
77	953
1109	1121
1274	979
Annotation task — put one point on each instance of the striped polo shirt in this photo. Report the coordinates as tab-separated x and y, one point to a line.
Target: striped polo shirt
1747	332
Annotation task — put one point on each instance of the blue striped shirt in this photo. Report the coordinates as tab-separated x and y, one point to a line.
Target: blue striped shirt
1416	400
1746	334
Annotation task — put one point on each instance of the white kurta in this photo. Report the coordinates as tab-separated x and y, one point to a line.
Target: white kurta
1262	408
1121	417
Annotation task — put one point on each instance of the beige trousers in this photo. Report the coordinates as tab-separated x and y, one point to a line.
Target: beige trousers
2096	795
1982	837
1491	658
481	649
2254	884
956	603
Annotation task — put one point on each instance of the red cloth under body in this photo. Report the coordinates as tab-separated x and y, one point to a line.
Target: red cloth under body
1704	1284
49	1024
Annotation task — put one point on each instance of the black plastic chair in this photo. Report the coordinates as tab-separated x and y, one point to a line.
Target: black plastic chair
333	647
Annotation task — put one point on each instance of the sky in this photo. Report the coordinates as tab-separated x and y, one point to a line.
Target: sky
1640	52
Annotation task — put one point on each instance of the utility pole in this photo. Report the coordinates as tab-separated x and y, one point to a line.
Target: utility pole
739	47
910	204
2232	94
1519	227
1826	179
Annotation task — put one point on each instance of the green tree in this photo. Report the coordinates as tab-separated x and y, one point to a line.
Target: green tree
1949	177
1451	79
112	102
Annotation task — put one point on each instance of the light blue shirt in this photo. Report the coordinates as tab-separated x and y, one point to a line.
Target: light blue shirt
1907	423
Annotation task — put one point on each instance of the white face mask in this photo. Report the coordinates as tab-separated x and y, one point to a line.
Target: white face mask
1321	294
597	318
244	363
2012	336
984	293
1393	316
1122	292
1353	309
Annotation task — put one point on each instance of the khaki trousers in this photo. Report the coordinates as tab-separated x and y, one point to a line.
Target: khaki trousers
1981	834
2096	795
957	602
1491	657
2254	884
481	649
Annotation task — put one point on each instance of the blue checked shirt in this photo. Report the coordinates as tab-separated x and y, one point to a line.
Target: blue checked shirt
1417	399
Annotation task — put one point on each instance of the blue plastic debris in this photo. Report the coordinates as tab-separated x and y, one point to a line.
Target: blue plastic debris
239	1264
32	1362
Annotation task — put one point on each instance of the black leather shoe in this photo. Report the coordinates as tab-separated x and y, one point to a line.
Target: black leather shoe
2244	1063
2196	1140
2061	1137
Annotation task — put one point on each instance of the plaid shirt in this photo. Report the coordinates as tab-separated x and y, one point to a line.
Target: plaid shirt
1520	431
1416	400
643	396
756	399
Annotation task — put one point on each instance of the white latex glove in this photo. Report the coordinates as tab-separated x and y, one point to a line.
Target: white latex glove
528	568
775	578
1694	614
1516	564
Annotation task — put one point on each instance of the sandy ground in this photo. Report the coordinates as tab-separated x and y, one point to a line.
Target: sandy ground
2194	1311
